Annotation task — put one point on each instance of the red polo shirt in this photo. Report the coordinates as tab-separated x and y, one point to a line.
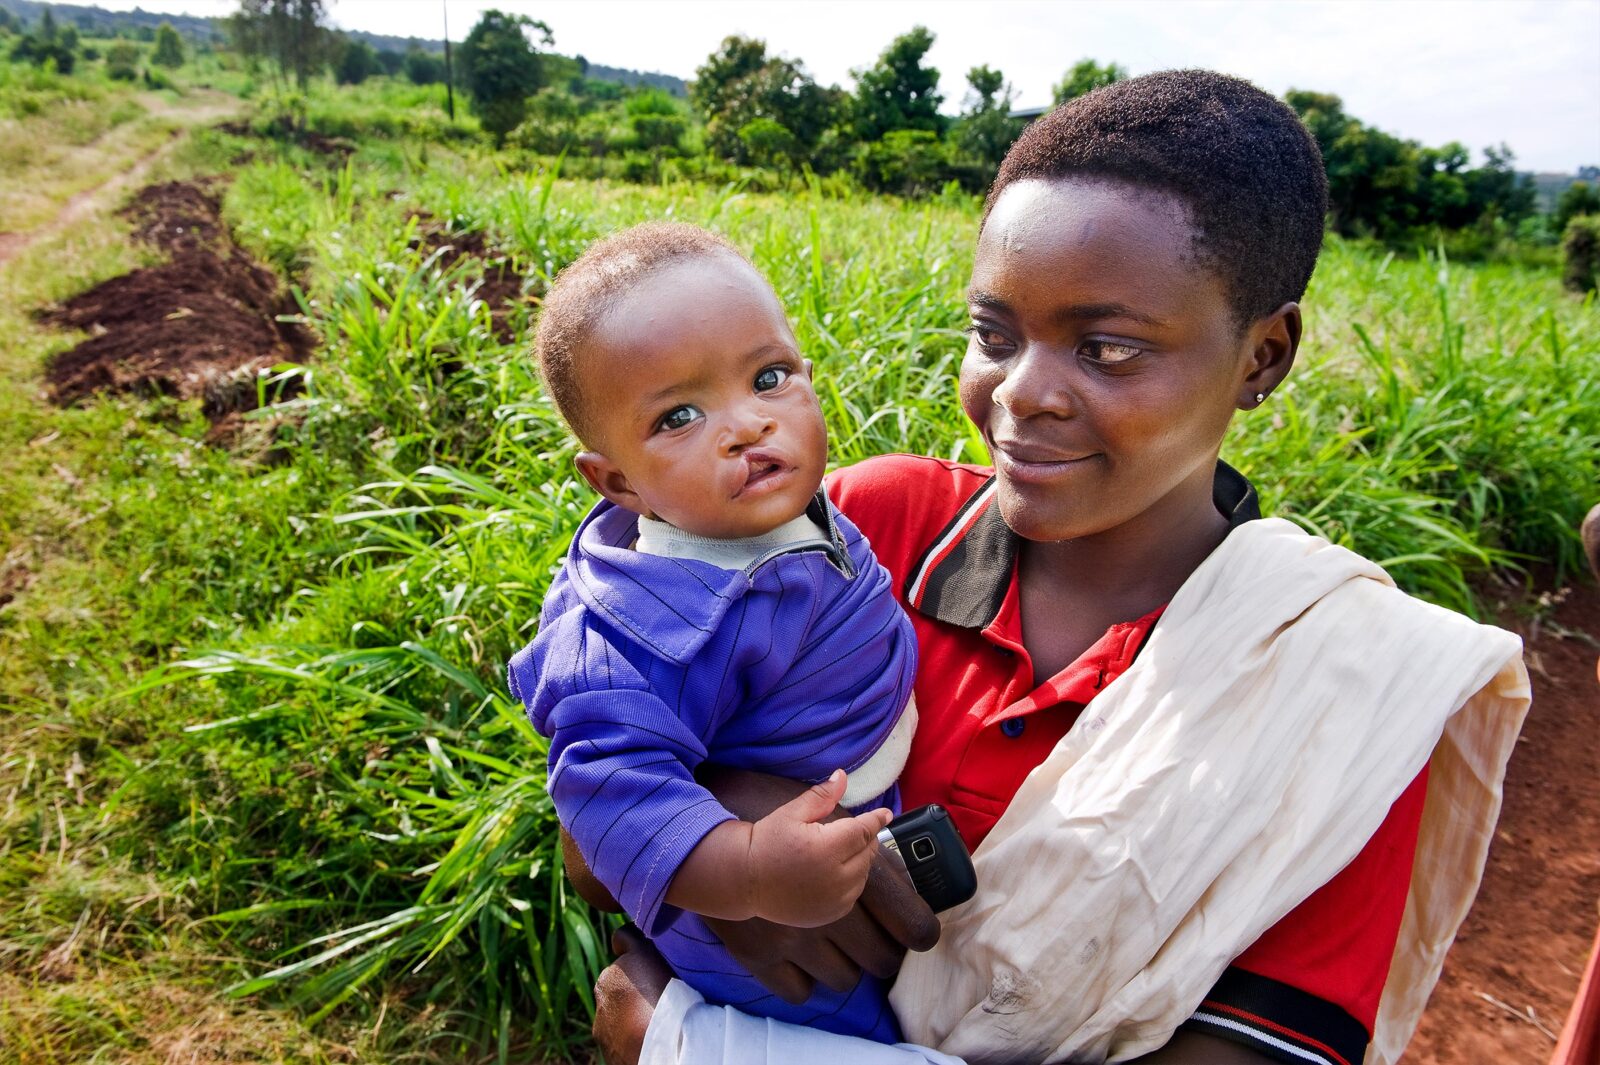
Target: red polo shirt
1308	989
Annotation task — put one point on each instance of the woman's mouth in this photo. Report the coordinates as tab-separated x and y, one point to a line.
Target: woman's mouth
1030	463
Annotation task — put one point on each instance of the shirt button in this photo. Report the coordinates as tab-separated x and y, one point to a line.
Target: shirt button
1012	727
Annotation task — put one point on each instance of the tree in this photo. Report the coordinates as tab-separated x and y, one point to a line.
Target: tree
1577	199
1496	189
391	63
739	85
656	122
357	63
423	68
169	47
122	61
1086	76
986	129
769	143
500	68
46	44
898	92
715	80
288	33
911	162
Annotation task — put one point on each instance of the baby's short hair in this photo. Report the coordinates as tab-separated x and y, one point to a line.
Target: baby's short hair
585	290
1240	160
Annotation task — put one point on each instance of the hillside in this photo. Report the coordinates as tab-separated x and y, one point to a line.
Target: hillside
98	22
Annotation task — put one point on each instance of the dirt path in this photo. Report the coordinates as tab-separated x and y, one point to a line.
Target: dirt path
1513	971
201	107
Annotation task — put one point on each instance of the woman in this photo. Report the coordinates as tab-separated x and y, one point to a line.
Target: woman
1194	840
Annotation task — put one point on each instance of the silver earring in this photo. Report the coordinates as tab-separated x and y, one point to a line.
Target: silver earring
1261	397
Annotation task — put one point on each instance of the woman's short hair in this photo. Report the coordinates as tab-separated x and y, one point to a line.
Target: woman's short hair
1239	159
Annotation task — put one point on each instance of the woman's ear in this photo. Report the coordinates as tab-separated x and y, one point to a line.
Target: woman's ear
1273	341
607	478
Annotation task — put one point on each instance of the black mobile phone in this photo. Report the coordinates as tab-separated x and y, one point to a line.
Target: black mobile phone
926	841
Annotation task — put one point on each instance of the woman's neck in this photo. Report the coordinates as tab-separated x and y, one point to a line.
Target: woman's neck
1073	590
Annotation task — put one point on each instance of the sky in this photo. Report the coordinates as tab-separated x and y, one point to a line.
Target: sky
1522	72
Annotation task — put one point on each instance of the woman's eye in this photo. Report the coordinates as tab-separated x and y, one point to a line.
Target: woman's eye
678	417
771	378
988	339
1110	352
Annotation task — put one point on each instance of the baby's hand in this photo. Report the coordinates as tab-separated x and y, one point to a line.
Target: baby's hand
804	872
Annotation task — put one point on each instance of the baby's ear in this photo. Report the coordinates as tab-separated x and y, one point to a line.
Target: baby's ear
607	478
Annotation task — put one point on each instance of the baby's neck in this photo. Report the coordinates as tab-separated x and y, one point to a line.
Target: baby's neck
662	538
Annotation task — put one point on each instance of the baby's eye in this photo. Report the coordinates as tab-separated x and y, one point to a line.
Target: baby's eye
678	417
1108	351
771	378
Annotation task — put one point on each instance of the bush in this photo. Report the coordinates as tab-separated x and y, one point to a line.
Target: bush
910	162
122	61
640	167
424	68
1580	254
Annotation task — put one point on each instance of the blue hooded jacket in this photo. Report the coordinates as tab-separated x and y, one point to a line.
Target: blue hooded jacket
646	666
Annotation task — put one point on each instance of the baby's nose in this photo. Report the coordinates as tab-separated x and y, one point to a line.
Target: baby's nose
749	428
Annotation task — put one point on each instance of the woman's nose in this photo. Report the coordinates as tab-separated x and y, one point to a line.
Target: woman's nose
1035	382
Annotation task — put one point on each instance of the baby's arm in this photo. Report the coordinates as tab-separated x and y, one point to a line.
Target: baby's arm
792	867
621	763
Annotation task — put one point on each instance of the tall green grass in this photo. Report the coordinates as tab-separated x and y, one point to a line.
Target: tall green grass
327	759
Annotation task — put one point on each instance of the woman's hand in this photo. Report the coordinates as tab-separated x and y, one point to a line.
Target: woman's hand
626	994
888	919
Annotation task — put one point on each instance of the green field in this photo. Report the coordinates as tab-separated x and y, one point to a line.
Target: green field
264	791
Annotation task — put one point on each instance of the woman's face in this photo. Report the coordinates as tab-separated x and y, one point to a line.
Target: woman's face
1103	363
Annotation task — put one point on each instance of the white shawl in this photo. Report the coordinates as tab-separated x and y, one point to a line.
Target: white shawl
1287	696
1285	699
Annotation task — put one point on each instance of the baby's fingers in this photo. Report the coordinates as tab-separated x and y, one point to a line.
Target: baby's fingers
851	837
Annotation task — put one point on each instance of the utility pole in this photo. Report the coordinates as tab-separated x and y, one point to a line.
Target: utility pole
449	75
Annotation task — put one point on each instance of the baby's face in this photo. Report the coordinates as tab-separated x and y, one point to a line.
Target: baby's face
701	406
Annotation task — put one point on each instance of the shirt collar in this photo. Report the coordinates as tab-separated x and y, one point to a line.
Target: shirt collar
669	606
963	575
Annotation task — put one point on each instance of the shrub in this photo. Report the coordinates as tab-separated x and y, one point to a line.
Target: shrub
1580	254
169	48
910	162
122	61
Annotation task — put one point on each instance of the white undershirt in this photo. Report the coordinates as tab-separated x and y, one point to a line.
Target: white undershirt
665	539
874	776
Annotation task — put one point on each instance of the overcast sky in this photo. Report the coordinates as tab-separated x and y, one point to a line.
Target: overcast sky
1525	72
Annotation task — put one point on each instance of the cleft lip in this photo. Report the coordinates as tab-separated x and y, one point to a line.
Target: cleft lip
761	464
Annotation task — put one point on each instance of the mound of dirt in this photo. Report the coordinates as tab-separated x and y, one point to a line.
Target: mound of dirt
177	215
193	326
502	288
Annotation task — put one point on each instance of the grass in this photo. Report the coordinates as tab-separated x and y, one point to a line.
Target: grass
255	733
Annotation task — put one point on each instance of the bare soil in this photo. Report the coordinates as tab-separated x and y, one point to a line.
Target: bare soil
1511	976
204	323
503	287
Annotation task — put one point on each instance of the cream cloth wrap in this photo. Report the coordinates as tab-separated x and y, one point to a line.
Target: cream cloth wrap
1286	698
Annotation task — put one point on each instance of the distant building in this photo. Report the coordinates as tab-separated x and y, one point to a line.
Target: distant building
1028	114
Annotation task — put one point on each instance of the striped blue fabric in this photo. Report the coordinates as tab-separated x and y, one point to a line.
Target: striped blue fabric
646	666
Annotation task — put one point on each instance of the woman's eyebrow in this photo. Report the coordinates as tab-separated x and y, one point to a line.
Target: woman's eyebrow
1079	312
1076	312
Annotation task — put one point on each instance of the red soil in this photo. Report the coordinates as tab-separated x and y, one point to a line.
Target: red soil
502	287
197	325
1516	964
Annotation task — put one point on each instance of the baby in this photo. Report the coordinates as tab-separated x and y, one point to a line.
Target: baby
713	607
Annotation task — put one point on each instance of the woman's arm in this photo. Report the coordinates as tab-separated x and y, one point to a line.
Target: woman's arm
630	988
